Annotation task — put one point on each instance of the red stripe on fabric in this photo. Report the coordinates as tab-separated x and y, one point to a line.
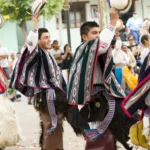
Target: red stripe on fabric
130	94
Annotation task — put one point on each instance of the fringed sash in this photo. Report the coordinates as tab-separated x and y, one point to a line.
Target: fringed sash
94	134
50	96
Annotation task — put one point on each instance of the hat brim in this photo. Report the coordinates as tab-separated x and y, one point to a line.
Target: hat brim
37	6
124	10
2	21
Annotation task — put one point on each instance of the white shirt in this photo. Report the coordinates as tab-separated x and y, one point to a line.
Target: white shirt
4	62
120	57
56	53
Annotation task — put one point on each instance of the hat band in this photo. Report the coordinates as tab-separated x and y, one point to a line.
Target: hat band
125	6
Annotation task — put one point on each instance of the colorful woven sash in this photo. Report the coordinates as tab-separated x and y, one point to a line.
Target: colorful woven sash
50	96
94	134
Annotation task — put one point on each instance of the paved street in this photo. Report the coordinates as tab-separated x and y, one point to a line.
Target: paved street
29	122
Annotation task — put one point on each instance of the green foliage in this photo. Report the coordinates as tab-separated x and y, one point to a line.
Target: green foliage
19	10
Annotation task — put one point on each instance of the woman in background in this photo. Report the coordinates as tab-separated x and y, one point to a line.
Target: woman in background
145	49
67	57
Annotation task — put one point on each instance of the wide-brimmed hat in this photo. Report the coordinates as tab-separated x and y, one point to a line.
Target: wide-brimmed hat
37	6
122	6
1	20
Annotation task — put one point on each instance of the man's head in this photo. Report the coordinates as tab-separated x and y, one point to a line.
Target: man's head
89	31
135	15
44	39
124	48
55	44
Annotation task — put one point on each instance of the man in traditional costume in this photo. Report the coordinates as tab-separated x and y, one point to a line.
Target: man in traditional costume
37	74
139	98
91	76
9	128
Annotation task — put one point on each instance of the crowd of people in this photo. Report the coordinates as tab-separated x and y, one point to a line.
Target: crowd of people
102	68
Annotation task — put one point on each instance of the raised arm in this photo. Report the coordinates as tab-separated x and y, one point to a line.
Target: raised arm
107	34
32	39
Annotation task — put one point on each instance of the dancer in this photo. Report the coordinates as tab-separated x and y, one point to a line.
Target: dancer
93	86
37	74
139	99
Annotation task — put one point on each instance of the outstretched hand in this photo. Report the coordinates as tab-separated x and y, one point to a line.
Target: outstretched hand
36	19
114	13
114	16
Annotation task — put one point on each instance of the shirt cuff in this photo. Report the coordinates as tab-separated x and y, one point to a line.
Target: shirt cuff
34	30
111	28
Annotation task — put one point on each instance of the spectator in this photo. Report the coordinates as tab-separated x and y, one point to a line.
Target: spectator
4	60
145	27
135	49
132	60
57	53
123	72
145	40
134	25
67	57
16	60
13	59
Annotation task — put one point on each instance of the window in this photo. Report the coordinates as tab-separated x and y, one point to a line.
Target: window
76	13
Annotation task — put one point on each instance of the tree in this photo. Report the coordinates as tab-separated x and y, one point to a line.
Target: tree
20	10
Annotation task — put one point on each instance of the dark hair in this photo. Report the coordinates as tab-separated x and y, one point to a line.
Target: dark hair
55	41
130	36
144	37
65	47
85	28
41	31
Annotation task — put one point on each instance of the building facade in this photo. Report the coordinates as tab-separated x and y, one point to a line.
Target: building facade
80	11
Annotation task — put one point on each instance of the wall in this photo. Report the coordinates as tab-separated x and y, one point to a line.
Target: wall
75	32
8	36
141	8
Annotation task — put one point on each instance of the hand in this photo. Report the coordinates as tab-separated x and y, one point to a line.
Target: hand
68	51
114	14
36	19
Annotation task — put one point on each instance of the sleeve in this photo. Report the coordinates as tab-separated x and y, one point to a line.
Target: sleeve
106	37
32	40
